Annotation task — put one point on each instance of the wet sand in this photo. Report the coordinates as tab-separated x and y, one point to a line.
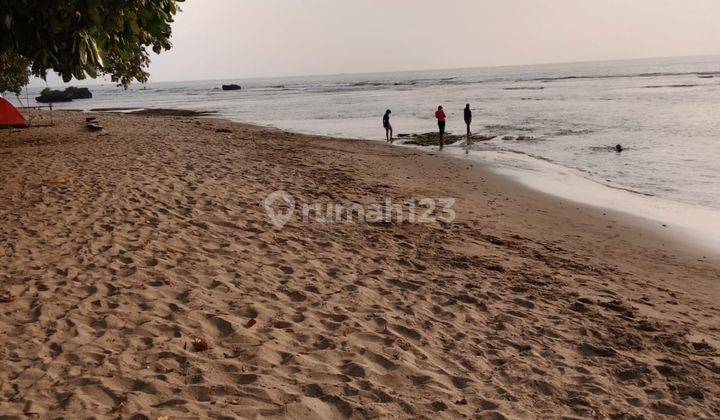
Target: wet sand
140	276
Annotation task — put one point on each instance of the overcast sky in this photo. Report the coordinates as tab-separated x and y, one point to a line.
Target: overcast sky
225	39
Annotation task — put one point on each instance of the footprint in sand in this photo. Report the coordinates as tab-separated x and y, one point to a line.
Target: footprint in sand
313	391
296	296
223	327
353	369
324	343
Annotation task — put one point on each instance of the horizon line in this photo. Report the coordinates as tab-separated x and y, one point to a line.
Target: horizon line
98	82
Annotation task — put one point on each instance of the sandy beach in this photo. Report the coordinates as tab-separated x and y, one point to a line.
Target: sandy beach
140	277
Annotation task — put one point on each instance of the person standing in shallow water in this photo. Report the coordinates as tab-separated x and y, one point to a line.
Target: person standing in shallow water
468	120
441	119
387	126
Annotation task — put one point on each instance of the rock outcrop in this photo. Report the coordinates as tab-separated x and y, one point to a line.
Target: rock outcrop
50	95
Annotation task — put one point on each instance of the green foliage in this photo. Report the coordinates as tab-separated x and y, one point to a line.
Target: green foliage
14	72
80	38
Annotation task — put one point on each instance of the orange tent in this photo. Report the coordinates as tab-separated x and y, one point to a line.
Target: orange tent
10	116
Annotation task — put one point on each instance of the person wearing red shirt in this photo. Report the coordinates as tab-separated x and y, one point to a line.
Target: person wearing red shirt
441	118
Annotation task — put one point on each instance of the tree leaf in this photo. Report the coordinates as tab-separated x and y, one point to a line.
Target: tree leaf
91	71
85	37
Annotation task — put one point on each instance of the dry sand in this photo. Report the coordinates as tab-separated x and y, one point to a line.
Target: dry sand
118	249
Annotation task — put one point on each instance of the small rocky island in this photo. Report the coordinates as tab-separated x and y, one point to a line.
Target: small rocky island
231	87
48	95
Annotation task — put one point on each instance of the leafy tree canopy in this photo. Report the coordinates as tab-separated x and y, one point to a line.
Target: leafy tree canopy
14	72
80	38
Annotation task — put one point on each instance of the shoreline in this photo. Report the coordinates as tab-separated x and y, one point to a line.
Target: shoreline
569	183
123	247
706	249
695	226
668	219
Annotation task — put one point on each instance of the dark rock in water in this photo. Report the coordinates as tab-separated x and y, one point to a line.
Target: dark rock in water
231	87
78	93
432	139
49	95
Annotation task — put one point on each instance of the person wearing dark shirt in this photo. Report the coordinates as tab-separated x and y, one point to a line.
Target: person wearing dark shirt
441	119
468	117
387	126
468	120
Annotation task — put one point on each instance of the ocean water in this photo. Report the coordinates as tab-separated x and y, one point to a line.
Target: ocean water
558	122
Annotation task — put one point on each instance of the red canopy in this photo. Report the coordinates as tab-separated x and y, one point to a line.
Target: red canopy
10	116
